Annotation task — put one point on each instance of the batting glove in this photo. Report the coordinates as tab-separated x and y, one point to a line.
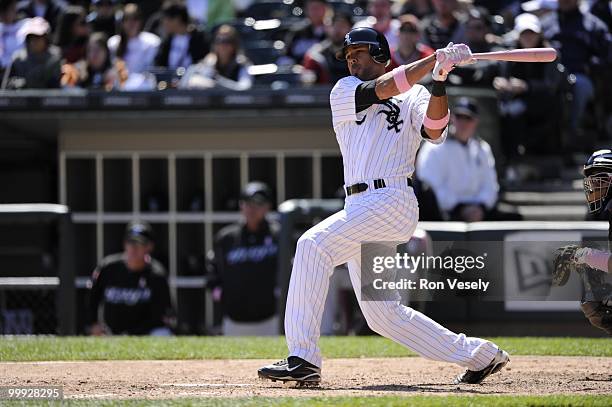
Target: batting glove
464	55
449	57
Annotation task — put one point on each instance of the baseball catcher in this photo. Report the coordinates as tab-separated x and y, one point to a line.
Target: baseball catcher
592	264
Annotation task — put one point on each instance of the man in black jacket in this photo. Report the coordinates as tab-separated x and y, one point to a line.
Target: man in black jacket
245	264
184	44
133	289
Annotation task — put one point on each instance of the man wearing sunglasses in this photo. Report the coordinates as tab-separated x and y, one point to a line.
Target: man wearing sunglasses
409	47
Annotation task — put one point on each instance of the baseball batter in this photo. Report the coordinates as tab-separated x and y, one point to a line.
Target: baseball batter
380	120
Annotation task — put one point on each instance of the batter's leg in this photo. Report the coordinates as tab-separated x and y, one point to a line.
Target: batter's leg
312	269
420	333
328	244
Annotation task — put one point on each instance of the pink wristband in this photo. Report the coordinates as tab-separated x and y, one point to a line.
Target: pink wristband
399	77
597	260
436	124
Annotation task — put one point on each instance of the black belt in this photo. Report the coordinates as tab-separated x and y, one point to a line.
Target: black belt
362	186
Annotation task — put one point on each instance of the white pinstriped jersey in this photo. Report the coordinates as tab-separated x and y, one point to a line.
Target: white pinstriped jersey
379	142
382	140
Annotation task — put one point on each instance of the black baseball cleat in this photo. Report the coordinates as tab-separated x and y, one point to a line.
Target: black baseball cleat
475	377
292	369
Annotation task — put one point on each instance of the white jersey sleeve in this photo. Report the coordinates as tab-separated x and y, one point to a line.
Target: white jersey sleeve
418	108
342	100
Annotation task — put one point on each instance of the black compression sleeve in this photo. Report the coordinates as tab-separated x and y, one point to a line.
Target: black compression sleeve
365	95
438	89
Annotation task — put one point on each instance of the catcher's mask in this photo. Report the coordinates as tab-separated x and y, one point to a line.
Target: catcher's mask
597	180
376	42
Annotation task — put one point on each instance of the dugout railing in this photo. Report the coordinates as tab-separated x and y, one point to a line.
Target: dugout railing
15	318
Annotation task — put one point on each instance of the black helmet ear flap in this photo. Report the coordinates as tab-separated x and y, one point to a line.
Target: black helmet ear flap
379	56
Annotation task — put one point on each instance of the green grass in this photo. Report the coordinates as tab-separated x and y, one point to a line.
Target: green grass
143	348
492	401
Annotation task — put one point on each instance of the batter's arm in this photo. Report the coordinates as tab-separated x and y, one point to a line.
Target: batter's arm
436	109
385	84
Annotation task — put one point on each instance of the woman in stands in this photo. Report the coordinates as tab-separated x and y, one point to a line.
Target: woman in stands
136	47
96	71
225	66
72	34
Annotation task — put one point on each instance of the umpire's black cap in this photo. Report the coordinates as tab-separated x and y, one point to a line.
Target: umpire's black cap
257	192
138	232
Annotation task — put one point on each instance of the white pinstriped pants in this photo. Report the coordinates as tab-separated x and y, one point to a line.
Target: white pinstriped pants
386	214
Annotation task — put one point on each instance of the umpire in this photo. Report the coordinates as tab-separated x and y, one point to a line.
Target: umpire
133	289
244	266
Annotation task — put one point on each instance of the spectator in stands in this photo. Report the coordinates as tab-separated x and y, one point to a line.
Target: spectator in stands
103	17
38	65
96	71
309	32
382	21
10	42
132	288
479	38
478	34
461	171
418	8
445	25
321	60
409	48
50	10
245	266
72	34
183	44
529	95
134	46
225	66
584	43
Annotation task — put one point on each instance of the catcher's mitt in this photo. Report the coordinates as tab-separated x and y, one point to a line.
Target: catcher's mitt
563	264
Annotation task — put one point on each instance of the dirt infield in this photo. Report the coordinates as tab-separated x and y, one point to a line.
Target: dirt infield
530	375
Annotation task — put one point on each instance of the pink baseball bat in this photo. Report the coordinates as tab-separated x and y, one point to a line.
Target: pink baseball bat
520	55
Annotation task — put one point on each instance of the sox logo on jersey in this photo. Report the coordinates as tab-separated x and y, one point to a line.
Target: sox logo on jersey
378	142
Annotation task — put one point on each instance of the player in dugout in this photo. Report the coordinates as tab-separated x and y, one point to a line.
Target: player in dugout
133	289
244	265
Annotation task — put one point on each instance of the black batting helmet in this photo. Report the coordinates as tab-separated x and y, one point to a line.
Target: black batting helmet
376	42
598	179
